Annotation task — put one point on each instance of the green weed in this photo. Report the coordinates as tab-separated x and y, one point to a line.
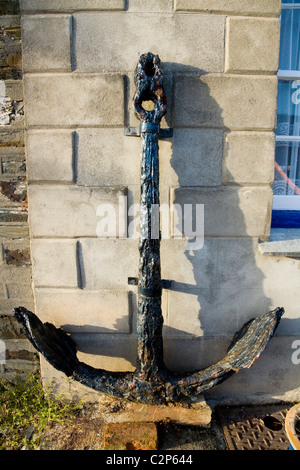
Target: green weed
27	411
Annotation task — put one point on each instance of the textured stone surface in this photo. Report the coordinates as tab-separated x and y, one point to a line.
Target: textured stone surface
69	100
54	263
151	6
230	101
100	32
102	164
229	211
68	211
120	256
46	42
81	311
249	158
250	45
194	159
238	7
70	5
50	156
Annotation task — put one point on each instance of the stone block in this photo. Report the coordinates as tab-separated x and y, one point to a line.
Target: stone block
279	272
3	292
286	242
234	7
99	34
50	156
130	436
157	6
12	162
240	263
12	135
81	311
14	230
106	157
20	275
18	292
46	42
72	211
34	6
13	90
13	194
70	100
228	211
188	270
7	306
54	262
252	45
237	264
107	264
185	412
194	158
10	48
214	312
230	101
249	158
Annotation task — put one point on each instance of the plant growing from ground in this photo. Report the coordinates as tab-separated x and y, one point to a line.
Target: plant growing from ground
27	411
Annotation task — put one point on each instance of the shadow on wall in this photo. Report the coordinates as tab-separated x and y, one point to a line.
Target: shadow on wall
228	286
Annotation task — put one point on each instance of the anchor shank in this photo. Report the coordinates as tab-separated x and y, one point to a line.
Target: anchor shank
150	363
149	87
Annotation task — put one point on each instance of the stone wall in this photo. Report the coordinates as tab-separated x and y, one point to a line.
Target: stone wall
220	60
15	265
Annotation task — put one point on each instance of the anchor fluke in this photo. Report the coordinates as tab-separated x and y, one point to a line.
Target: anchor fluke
54	343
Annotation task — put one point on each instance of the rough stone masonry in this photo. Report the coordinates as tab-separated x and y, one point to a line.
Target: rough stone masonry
220	59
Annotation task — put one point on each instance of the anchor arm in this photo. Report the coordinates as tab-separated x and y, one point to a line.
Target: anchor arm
247	345
60	351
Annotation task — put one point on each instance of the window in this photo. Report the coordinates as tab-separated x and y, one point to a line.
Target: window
286	200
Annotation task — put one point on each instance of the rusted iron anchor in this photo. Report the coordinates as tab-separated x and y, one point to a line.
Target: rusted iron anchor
151	382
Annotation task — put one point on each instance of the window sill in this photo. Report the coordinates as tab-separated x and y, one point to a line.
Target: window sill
282	242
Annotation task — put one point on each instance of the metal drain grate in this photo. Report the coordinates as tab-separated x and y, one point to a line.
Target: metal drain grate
254	428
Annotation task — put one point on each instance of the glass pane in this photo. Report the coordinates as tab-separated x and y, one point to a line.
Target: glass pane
290	1
287	169
288	108
289	57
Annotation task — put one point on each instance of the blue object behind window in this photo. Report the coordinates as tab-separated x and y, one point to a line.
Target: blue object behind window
285	219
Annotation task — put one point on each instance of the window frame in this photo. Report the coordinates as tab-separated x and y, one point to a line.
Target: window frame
287	202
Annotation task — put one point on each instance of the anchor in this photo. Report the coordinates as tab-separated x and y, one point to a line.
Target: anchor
151	382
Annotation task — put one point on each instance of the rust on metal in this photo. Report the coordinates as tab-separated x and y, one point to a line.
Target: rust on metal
151	382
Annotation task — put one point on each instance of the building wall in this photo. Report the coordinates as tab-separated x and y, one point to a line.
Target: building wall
15	265
220	61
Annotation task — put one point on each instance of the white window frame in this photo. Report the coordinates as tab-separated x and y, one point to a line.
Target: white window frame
286	202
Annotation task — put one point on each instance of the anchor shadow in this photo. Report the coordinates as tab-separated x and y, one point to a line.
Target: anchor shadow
227	285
